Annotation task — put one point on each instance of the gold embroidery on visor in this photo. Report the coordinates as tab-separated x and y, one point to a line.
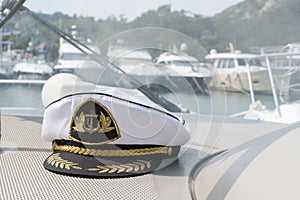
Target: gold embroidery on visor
57	161
136	166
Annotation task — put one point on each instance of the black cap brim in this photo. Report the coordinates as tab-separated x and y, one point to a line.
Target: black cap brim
75	164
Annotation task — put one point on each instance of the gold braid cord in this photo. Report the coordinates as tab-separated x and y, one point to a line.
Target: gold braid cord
126	167
129	152
57	161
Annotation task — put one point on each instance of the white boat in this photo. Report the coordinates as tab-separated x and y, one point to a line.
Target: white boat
70	58
138	63
32	70
283	113
231	73
171	72
135	62
185	71
124	57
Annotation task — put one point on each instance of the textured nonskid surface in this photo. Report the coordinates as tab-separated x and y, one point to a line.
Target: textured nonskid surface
22	175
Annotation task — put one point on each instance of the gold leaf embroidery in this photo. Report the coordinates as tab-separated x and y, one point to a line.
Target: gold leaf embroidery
105	123
57	161
148	164
139	165
79	122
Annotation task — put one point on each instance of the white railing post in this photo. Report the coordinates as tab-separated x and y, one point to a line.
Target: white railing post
274	92
250	83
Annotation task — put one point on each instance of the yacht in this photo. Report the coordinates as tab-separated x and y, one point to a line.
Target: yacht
137	63
70	58
185	70
31	69
232	71
132	61
170	72
32	65
125	57
284	112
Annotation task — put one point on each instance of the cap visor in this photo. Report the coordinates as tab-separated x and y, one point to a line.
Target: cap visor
74	164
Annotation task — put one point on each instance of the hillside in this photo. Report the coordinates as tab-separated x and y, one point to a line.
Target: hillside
250	9
258	23
248	24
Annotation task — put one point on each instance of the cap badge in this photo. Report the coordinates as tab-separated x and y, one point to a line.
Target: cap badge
93	124
90	123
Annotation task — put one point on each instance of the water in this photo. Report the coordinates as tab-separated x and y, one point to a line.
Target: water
219	102
21	100
20	96
216	103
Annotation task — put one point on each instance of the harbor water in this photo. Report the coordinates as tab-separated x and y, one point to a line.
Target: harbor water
28	97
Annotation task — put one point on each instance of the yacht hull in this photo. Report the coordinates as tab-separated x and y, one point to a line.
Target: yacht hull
238	81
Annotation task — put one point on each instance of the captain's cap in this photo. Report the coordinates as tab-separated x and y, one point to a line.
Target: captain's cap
99	131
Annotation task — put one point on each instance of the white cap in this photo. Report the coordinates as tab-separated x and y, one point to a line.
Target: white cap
140	121
105	131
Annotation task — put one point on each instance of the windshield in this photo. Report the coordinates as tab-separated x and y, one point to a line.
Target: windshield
117	38
251	62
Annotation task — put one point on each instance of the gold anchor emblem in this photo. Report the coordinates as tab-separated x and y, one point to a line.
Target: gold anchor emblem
90	118
93	124
86	123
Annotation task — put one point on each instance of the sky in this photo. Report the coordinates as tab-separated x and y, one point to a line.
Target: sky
129	8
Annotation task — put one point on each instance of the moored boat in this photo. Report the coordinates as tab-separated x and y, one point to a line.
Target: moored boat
185	71
31	70
232	71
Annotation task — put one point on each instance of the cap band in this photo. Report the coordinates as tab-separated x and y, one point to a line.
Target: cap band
109	152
